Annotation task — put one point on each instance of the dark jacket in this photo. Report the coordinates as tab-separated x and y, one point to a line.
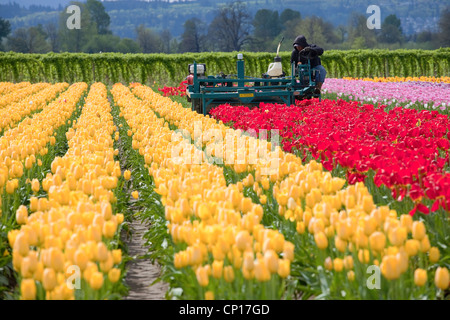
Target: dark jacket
295	56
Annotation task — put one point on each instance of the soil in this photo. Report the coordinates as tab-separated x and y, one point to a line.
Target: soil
141	272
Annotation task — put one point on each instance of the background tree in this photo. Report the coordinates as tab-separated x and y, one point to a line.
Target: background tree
192	39
31	40
391	30
166	38
267	26
127	45
317	31
148	40
359	36
444	26
52	36
99	16
230	29
289	15
5	29
73	40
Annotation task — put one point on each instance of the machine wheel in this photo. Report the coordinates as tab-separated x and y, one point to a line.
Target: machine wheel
197	105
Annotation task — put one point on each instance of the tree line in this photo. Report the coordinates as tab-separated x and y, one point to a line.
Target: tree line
232	29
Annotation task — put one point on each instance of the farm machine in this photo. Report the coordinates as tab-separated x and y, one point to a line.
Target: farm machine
206	92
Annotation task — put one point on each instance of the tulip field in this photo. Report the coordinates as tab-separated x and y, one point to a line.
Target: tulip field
352	204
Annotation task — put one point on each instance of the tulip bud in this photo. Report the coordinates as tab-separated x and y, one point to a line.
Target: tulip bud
102	252
288	250
96	280
328	264
135	194
351	275
202	276
209	295
390	267
21	245
321	240
338	264
271	261
348	262
420	277
434	254
412	247
262	274
425	244
109	229
81	259
49	279
117	256
300	227
284	268
377	241
28	289
441	278
418	230
243	240
114	275
217	268
228	274
22	215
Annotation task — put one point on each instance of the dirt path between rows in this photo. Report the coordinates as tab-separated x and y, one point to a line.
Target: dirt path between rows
141	272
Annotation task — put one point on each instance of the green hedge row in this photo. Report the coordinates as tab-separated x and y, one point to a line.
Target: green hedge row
172	68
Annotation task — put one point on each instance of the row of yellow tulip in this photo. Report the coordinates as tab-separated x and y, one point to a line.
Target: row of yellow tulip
14	112
403	79
203	212
343	222
7	87
21	93
20	146
69	232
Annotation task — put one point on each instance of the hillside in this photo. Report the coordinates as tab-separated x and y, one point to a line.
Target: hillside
415	15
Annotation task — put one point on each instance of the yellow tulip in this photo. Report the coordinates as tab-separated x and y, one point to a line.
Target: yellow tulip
228	274
377	241
412	247
49	279
217	269
441	278
321	240
114	275
22	215
28	289
21	245
209	295
202	276
96	280
284	268
390	267
434	255
271	261
328	264
338	264
351	275
420	277
418	230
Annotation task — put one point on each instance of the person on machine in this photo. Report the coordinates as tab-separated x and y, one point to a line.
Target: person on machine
300	45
